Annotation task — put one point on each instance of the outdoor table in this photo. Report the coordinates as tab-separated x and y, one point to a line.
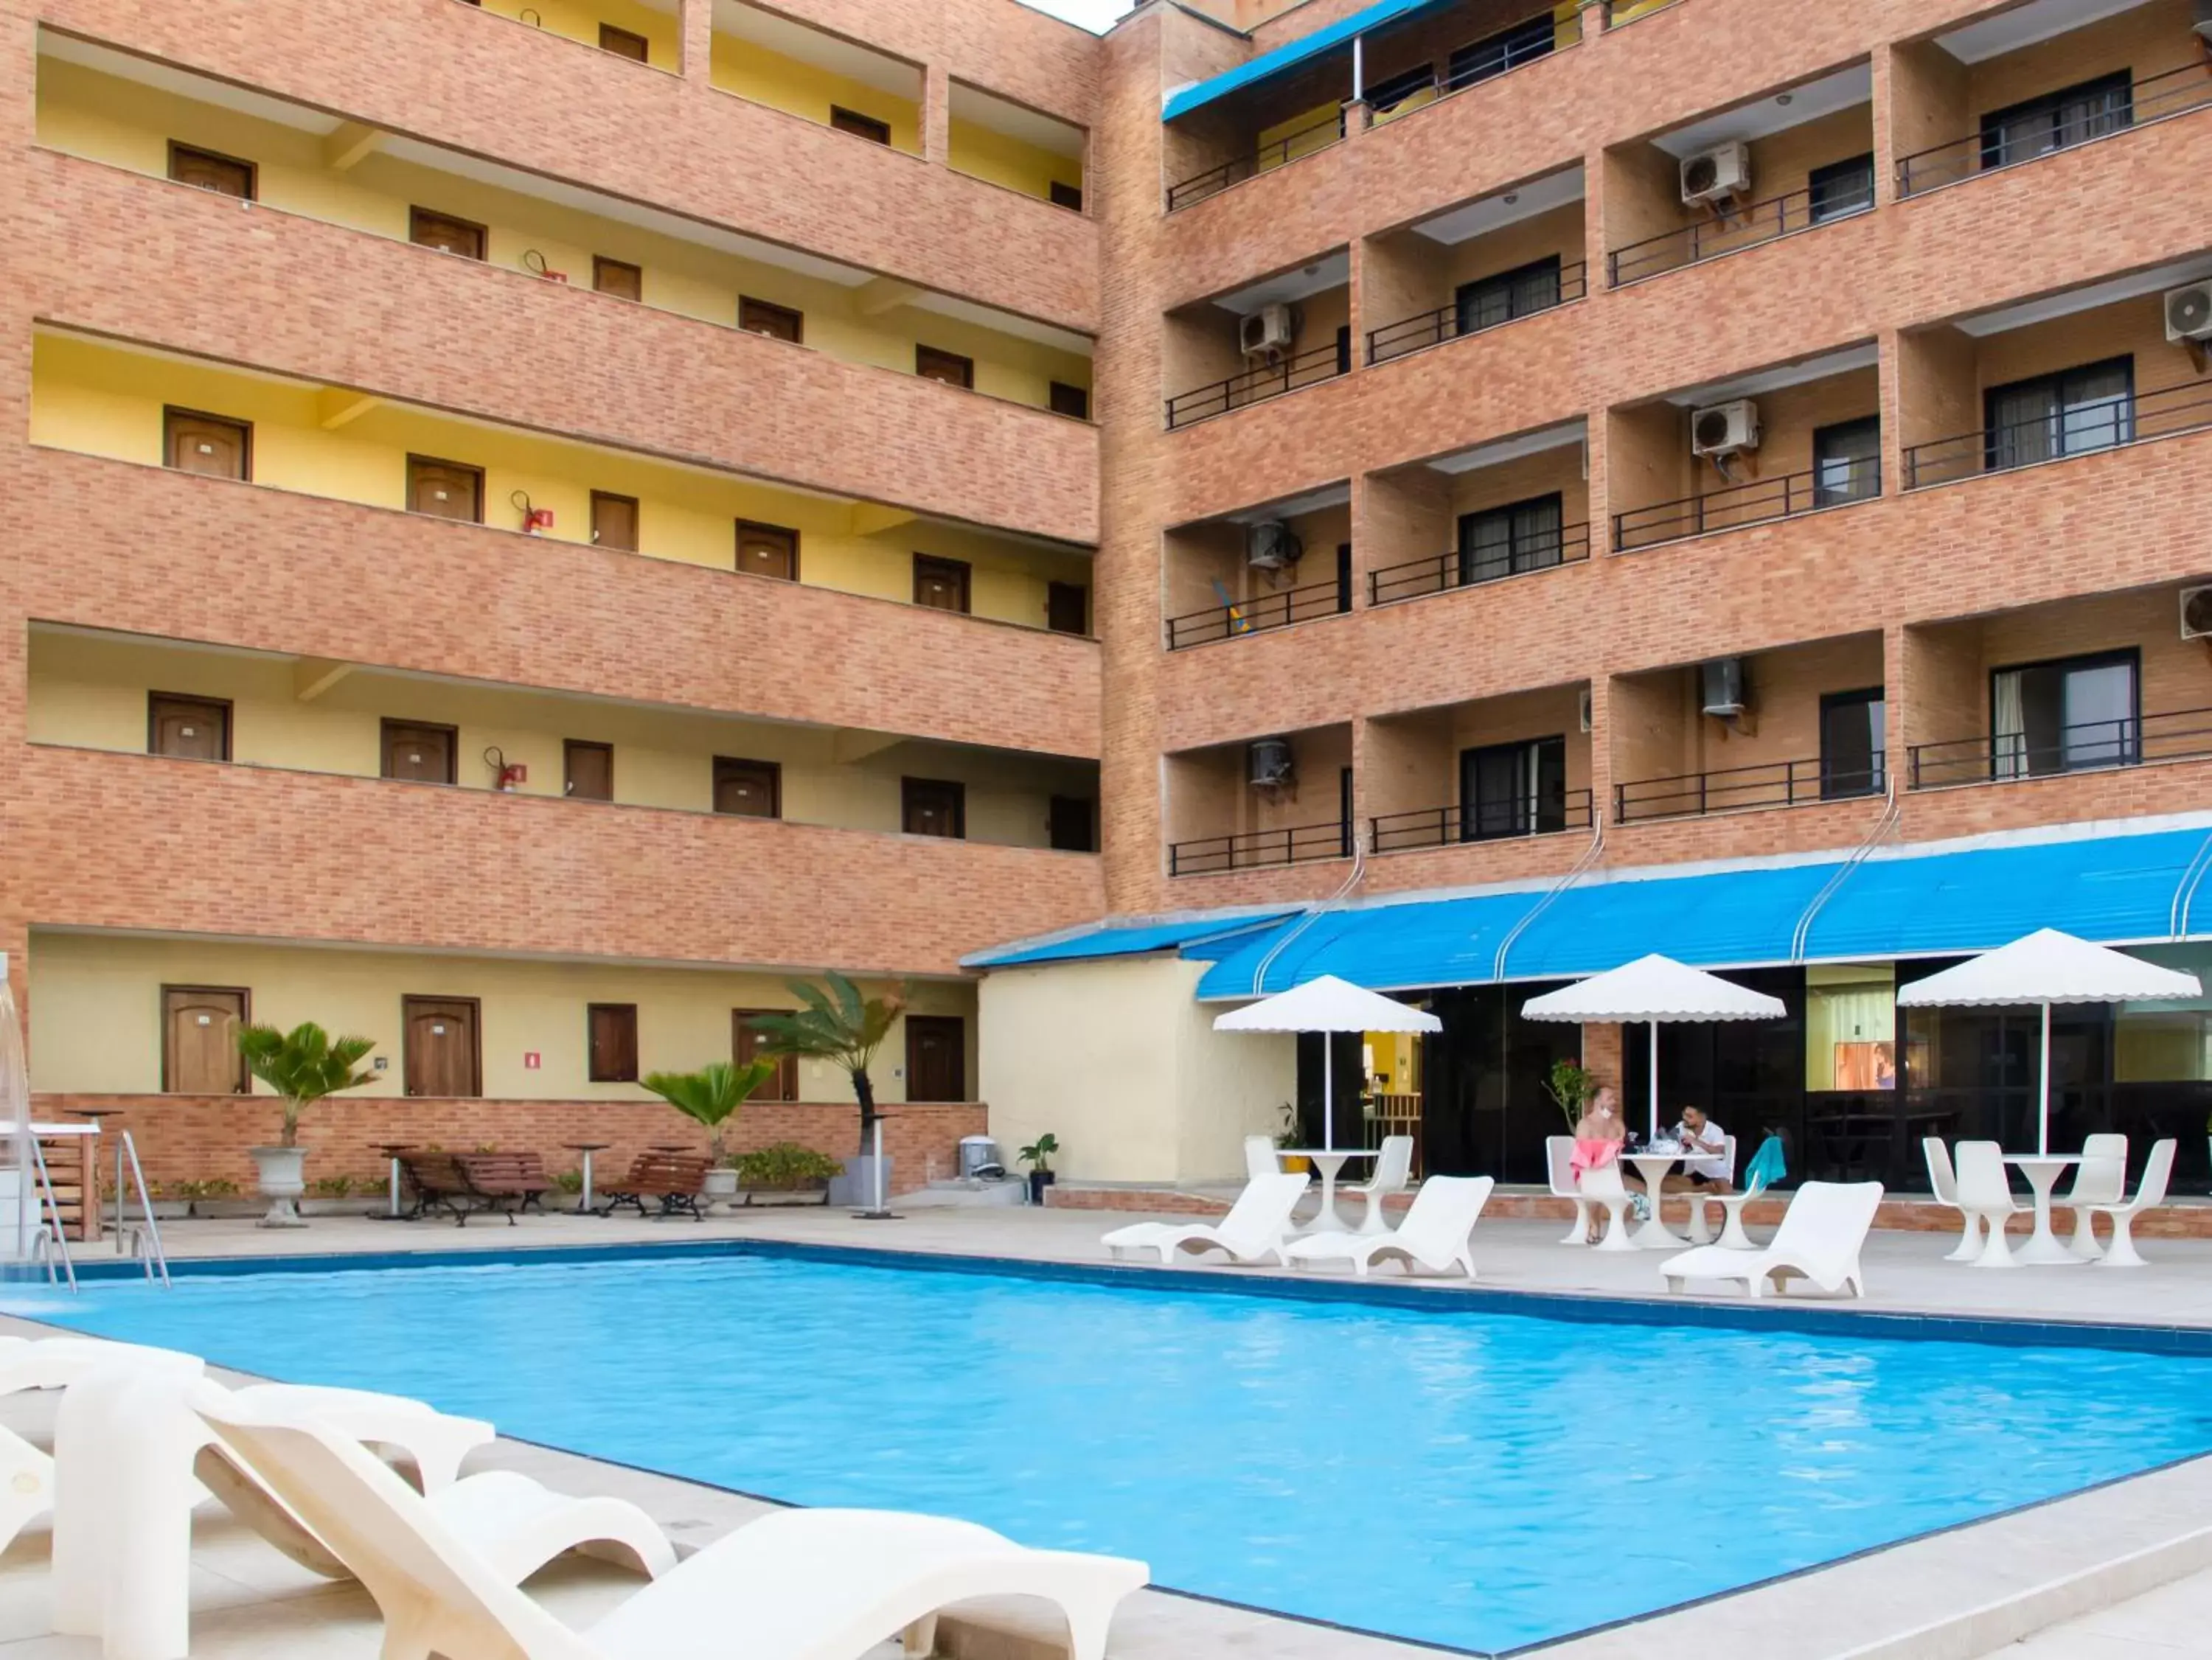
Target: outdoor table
1327	1160
392	1150
2042	1170
587	1149
1652	1165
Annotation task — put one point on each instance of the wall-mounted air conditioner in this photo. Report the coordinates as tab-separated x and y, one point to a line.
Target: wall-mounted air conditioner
1266	332
2196	613
1716	174
1726	695
1271	545
1270	764
1725	429
2189	312
1582	709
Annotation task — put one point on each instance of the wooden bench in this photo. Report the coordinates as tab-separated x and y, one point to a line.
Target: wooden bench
673	1178
506	1182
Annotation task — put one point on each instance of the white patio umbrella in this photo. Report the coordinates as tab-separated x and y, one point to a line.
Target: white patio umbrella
1328	1004
2045	967
1654	989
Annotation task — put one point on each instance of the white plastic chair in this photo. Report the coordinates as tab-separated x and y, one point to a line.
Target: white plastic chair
1394	1168
1944	1184
1434	1235
1819	1240
1985	1192
1733	1238
1603	1186
1260	1158
1701	1231
2150	1193
1256	1228
1559	1167
2101	1178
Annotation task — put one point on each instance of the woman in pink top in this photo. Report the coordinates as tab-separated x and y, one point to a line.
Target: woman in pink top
1598	1137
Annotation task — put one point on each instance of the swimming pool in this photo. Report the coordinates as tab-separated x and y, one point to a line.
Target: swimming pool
1408	1471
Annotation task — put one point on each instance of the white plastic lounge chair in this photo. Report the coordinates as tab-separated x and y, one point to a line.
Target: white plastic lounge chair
1985	1192
1819	1240
1257	1227
1260	1158
796	1585
2150	1193
1603	1186
1559	1171
1733	1238
2101	1178
1944	1186
1434	1234
1394	1168
1701	1231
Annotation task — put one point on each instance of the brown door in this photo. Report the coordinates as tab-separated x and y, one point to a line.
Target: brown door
1073	825
1068	608
940	583
622	44
936	1057
748	789
859	126
441	1055
949	367
589	770
767	550
612	1028
744	1049
1067	196
933	807
613	276
445	489
1073	402
614	521
189	728
445	233
223	174
776	322
208	445
419	753
199	1040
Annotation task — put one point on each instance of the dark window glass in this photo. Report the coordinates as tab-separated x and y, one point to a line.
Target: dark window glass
861	126
1504	541
1073	402
1067	195
776	322
933	807
1847	462
2065	716
1490	301
1851	743
1386	94
2072	115
2072	412
1494	54
1842	188
1513	790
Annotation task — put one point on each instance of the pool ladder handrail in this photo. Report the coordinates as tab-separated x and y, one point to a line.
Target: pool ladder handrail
141	1243
51	1236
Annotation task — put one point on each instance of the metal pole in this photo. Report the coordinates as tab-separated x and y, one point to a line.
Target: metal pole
878	1128
1654	1078
119	1247
2042	1118
1329	1092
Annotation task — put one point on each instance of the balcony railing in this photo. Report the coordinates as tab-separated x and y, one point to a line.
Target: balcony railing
1258	386
1746	227
1256	615
1754	503
1413	334
2174	92
1773	784
2106	423
1535	36
1306	141
2091	746
1497	821
1257	848
1468	567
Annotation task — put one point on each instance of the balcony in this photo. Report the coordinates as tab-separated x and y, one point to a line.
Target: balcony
1506	509
1273	150
767	59
1267	339
1014	146
1248	806
1476	266
1503	768
633	29
2044	750
1249	571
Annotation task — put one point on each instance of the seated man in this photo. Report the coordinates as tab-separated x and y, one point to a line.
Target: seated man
1711	1171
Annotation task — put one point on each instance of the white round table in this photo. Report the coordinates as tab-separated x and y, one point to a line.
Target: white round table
2043	1170
1652	1166
1328	1160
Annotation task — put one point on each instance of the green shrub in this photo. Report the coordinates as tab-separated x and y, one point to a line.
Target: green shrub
331	1187
784	1167
570	1181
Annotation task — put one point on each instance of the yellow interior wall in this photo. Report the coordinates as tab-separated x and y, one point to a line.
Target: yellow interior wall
581	22
767	77
1318	126
96	1013
983	152
105	400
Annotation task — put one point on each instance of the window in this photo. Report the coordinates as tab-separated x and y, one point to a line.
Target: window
1068	608
776	322
622	44
1513	790
187	728
419	751
2072	115
445	489
949	367
861	126
1494	54
617	277
933	807
941	584
1344	576
445	234
1842	188
1851	1026
745	1049
1490	301
1385	95
1073	402
614	521
1504	541
767	550
2072	413
1067	195
588	771
1847	462
226	175
213	446
613	1030
748	789
2065	716
1073	826
1852	742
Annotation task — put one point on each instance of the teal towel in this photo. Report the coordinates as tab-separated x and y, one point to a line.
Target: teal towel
1765	1169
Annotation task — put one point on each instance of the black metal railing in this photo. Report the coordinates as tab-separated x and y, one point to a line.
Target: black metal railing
1735	228
1258	386
1495	820
1466	567
1255	849
2104	423
1535	36
1756	502
2090	746
1255	615
2174	92
1773	784
1413	334
1291	146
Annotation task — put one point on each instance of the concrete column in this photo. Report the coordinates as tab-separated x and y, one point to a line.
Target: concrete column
695	24
936	114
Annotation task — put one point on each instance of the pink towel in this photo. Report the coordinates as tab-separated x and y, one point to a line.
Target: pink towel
1591	1153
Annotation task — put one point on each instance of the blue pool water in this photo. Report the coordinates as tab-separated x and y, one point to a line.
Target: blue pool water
1401	1469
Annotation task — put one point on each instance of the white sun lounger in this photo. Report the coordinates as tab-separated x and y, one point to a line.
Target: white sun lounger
1257	1227
1434	1234
1819	1240
798	1584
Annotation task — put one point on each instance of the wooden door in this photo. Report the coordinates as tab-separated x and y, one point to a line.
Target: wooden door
617	277
748	789
936	1057
208	445
440	1056
933	807
199	1039
226	175
614	521
767	550
1067	195
420	752
622	44
940	583
949	367
189	729
445	489
1072	825
611	1031
1072	400
588	770
1068	608
859	126
776	322
445	233
745	1047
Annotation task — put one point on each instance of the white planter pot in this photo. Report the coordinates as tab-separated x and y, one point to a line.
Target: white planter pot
857	1187
284	1179
720	1188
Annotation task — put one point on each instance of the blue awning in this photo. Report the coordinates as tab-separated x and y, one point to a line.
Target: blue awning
1304	50
1205	936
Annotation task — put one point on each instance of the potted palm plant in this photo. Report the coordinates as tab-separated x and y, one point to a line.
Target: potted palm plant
302	1066
840	1026
1038	1156
710	1097
1570	1086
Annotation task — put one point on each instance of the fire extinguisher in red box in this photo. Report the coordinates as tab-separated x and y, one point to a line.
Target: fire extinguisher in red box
534	262
536	521
506	774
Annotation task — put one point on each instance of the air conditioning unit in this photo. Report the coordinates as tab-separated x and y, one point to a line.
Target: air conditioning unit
1725	429
2189	312
1271	545
1582	709
2204	23
1725	696
1267	331
1271	766
2196	613
1709	175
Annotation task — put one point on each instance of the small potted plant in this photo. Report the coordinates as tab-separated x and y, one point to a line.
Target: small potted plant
1292	1163
1038	1156
302	1066
710	1097
787	1168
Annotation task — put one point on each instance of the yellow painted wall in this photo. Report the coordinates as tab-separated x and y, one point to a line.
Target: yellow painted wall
96	1012
1309	130
985	153
785	83
105	400
581	22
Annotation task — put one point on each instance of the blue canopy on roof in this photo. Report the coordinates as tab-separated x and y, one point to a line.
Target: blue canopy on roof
1288	56
1196	937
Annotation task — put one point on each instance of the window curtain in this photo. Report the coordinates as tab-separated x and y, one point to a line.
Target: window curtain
2009	739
